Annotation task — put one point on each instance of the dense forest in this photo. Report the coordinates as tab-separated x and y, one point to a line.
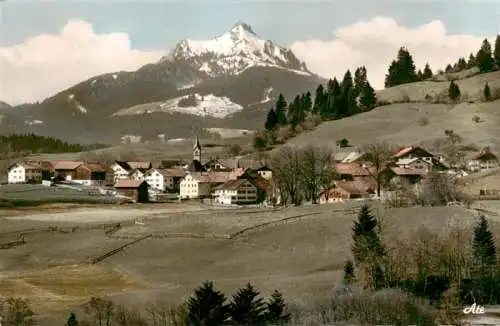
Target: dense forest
31	143
354	94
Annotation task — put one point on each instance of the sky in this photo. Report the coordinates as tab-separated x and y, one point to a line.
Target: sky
47	46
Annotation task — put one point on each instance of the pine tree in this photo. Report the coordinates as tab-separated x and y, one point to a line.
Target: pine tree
427	72
360	79
368	98
472	61
484	59
271	120
367	247
247	308
307	102
453	91
391	76
402	70
348	272
347	101
483	245
420	75
207	306
276	310
487	92
496	51
333	98
366	240
319	100
462	64
280	110
72	321
448	68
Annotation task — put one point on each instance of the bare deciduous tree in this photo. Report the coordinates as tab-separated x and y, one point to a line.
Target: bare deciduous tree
16	312
379	155
286	165
317	170
100	311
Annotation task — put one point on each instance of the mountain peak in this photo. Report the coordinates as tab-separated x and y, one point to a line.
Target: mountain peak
241	26
233	52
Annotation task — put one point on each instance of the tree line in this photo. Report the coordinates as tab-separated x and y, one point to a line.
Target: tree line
31	143
206	306
336	100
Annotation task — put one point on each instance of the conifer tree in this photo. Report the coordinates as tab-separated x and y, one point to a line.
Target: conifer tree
348	272
472	61
271	120
448	68
333	99
72	321
427	72
207	306
367	247
420	75
487	92
402	70
484	59
319	100
346	100
280	110
462	64
483	246
368	98
276	310
391	76
496	52
360	79
307	102
453	91
247	308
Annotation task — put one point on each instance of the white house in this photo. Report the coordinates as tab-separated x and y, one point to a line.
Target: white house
155	179
233	192
483	161
120	171
265	172
136	174
24	172
201	184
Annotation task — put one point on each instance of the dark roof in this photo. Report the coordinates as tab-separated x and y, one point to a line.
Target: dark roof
264	168
124	165
485	155
196	166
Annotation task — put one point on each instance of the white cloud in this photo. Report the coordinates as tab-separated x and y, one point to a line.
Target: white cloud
375	43
45	64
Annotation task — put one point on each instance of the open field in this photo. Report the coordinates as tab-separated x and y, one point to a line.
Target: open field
302	256
28	194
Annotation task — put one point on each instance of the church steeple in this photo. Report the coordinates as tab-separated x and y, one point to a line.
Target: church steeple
197	150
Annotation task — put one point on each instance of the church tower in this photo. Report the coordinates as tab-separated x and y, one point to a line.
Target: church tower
197	150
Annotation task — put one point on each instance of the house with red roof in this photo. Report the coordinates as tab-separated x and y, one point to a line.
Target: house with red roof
136	190
345	190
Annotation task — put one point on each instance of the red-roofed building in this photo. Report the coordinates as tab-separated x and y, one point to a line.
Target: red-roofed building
136	190
343	190
412	152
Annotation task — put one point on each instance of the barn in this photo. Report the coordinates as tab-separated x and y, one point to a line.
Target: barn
134	189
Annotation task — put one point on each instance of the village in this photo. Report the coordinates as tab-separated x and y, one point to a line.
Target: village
238	182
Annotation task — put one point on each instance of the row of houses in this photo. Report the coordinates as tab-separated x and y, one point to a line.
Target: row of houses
409	165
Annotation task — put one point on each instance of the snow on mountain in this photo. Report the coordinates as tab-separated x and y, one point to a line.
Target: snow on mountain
79	107
33	122
233	52
195	104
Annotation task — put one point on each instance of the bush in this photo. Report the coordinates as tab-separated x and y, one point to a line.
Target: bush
422	121
476	119
386	307
259	142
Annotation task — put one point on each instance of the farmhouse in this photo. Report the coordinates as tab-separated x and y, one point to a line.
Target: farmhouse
343	190
265	172
354	171
122	170
201	184
412	152
419	163
24	172
483	161
66	170
399	175
172	178
215	164
136	174
90	174
239	192
136	190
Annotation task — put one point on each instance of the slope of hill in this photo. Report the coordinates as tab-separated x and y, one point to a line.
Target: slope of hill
410	118
238	71
4	105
